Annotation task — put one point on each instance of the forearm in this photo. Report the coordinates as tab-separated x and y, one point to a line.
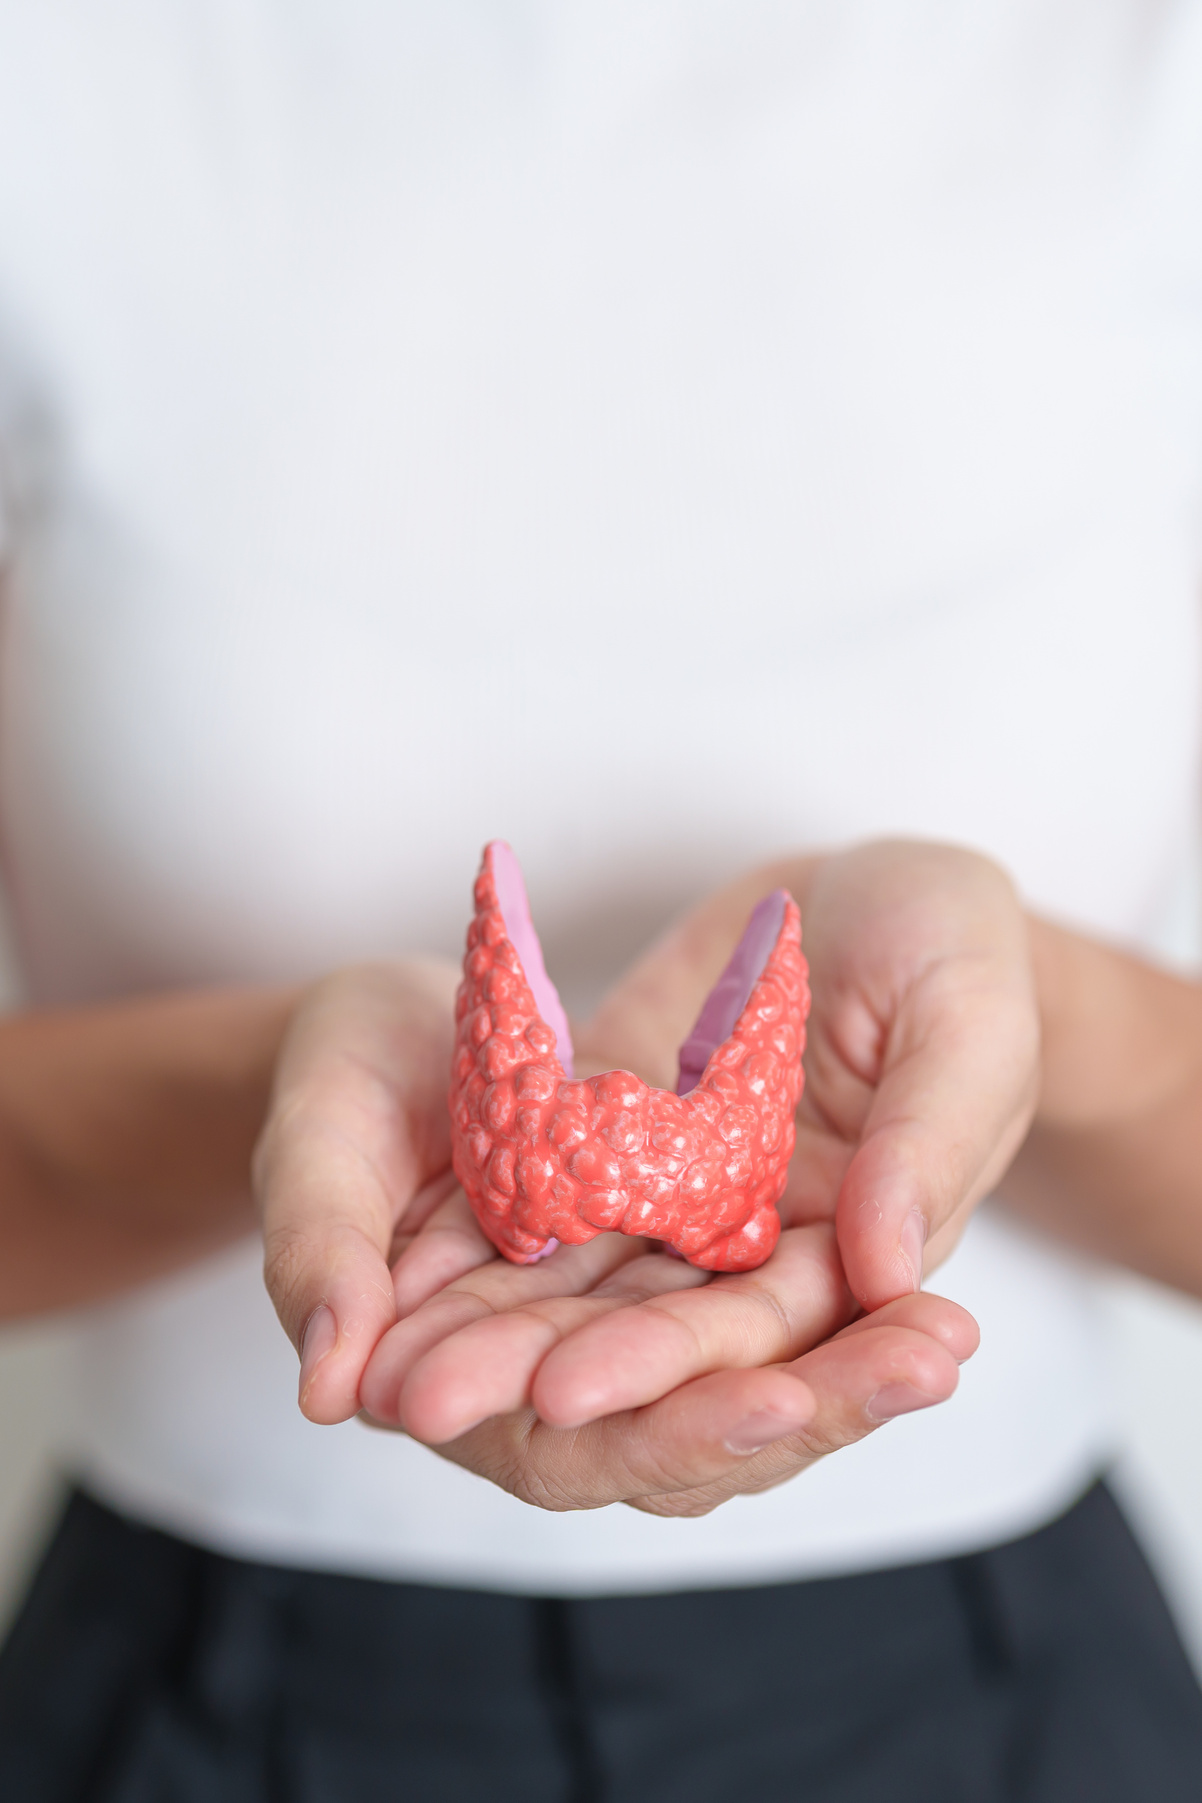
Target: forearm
126	1133
1113	1161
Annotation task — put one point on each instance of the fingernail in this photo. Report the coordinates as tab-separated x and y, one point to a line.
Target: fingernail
760	1430
913	1239
321	1331
896	1399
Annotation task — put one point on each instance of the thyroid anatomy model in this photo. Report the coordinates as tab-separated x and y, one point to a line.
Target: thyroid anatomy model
546	1159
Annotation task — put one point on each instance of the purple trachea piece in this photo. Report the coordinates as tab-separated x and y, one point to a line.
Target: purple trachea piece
732	992
515	911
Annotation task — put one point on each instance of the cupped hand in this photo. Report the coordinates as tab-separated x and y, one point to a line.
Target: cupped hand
922	1058
611	1373
922	1053
590	1331
355	1153
922	1065
732	1432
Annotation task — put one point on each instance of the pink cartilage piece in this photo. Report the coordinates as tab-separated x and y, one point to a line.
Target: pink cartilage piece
515	912
546	1159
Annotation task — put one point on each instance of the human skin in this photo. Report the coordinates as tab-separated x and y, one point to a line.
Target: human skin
1113	1161
126	1132
126	1129
883	1158
923	1072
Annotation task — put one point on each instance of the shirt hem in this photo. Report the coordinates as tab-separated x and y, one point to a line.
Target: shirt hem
993	1524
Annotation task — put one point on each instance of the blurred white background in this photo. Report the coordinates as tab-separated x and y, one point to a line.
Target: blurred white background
1158	1360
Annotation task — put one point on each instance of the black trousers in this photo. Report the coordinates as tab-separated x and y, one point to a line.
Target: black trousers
145	1670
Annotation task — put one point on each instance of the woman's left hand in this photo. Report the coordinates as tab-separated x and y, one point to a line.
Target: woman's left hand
729	1433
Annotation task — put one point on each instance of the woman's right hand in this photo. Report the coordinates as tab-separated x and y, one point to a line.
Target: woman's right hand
354	1155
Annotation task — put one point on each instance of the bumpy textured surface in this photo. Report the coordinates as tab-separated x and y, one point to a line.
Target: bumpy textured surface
544	1158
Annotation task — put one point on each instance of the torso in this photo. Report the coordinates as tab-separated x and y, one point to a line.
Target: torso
421	425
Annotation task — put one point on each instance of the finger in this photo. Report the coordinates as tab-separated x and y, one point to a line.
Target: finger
356	1128
675	1444
606	1340
446	1246
900	1360
327	1225
730	1432
949	1325
951	1110
761	1317
489	1367
494	1289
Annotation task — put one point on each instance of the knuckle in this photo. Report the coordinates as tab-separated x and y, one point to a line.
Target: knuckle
819	1440
654	1470
529	1460
553	1483
541	1491
680	1505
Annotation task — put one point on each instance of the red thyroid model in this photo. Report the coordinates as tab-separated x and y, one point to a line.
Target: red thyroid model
545	1160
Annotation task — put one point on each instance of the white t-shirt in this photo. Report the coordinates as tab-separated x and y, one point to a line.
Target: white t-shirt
419	423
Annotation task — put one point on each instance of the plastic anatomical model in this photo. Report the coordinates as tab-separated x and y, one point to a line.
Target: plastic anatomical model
546	1159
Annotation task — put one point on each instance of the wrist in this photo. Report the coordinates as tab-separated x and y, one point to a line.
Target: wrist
1120	1037
126	1132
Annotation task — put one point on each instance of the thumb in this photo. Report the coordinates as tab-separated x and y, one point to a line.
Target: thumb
951	1111
356	1128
